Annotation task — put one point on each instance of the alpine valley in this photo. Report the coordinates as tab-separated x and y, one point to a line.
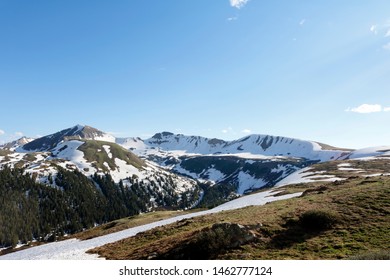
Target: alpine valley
81	177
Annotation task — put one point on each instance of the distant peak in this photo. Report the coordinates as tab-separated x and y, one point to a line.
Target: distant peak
162	134
79	127
48	142
87	132
84	130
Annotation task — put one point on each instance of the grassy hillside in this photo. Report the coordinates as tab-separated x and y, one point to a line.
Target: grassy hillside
4	153
339	220
95	152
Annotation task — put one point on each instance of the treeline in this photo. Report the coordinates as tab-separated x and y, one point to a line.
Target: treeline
216	194
30	210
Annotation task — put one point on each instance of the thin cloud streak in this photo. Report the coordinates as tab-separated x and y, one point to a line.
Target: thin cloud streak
386	47
232	18
368	108
227	130
374	29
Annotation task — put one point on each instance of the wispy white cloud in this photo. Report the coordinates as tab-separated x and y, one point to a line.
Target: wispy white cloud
374	29
18	134
246	131
386	46
366	109
2	132
382	29
232	18
238	3
227	130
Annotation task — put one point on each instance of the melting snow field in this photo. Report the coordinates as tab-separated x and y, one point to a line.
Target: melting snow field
306	176
74	249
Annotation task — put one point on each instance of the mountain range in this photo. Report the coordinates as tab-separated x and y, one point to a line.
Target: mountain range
246	164
81	177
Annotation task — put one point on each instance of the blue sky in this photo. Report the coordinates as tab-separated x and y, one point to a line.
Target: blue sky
314	70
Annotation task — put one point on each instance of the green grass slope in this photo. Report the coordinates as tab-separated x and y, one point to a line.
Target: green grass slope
341	220
94	152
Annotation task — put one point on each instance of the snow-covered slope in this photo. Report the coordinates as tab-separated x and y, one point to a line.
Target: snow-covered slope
132	143
248	163
307	175
365	163
246	174
265	145
368	153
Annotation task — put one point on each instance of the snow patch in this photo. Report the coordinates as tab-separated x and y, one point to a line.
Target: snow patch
305	176
105	138
214	175
247	182
131	143
185	172
108	150
68	150
350	169
369	153
125	170
248	156
344	165
378	174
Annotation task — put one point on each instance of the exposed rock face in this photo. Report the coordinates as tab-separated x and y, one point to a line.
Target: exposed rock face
235	234
209	242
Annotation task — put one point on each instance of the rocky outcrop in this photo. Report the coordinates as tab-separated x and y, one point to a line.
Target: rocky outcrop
209	242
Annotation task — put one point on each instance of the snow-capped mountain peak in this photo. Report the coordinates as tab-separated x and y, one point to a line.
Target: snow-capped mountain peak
256	144
77	132
16	143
